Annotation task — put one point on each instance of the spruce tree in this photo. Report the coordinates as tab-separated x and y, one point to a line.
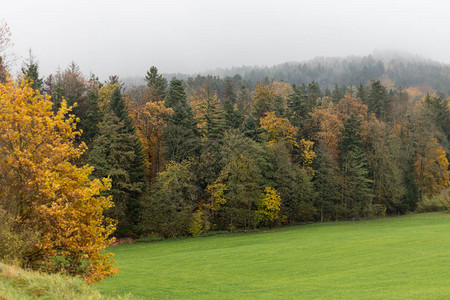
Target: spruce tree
326	183
211	120
378	100
30	70
136	169
356	186
93	118
113	154
182	139
156	83
177	100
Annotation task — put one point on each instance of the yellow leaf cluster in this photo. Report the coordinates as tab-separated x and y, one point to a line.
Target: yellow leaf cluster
269	208
104	95
279	129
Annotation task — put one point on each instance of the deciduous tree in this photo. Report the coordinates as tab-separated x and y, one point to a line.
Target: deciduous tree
45	191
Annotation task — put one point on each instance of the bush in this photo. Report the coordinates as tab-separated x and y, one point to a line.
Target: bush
436	203
16	242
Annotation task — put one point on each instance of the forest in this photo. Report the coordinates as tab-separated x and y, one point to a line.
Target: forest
83	160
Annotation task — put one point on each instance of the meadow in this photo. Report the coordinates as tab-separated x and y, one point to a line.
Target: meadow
406	257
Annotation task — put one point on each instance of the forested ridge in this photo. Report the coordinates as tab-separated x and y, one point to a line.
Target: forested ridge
340	140
210	153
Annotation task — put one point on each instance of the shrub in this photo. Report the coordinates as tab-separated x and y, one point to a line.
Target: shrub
436	203
16	241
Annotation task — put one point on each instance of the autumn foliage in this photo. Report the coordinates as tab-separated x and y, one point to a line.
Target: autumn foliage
44	191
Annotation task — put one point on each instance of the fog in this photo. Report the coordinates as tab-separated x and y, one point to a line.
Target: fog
127	37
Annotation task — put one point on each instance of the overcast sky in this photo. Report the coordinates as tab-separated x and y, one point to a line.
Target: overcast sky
126	37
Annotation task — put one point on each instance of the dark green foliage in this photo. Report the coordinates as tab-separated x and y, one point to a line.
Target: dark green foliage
182	140
136	169
233	117
326	183
294	185
361	93
300	104
357	194
251	129
113	154
384	162
169	206
242	177
117	152
118	107
93	117
338	93
351	138
378	99
177	100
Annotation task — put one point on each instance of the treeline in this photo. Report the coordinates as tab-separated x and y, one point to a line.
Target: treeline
186	157
327	72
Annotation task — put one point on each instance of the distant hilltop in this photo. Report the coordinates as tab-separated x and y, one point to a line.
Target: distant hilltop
394	68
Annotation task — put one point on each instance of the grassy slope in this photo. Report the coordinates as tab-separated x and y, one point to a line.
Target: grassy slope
394	258
16	283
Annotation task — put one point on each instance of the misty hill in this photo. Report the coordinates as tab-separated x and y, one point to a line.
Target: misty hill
399	69
395	69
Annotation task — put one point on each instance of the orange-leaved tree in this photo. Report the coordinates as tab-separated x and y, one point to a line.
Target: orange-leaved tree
44	191
431	169
150	121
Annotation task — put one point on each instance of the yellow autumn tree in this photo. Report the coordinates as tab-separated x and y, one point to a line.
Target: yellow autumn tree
104	95
264	100
44	191
268	212
307	154
278	129
431	169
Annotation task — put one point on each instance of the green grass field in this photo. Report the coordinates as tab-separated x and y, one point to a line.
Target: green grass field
404	257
